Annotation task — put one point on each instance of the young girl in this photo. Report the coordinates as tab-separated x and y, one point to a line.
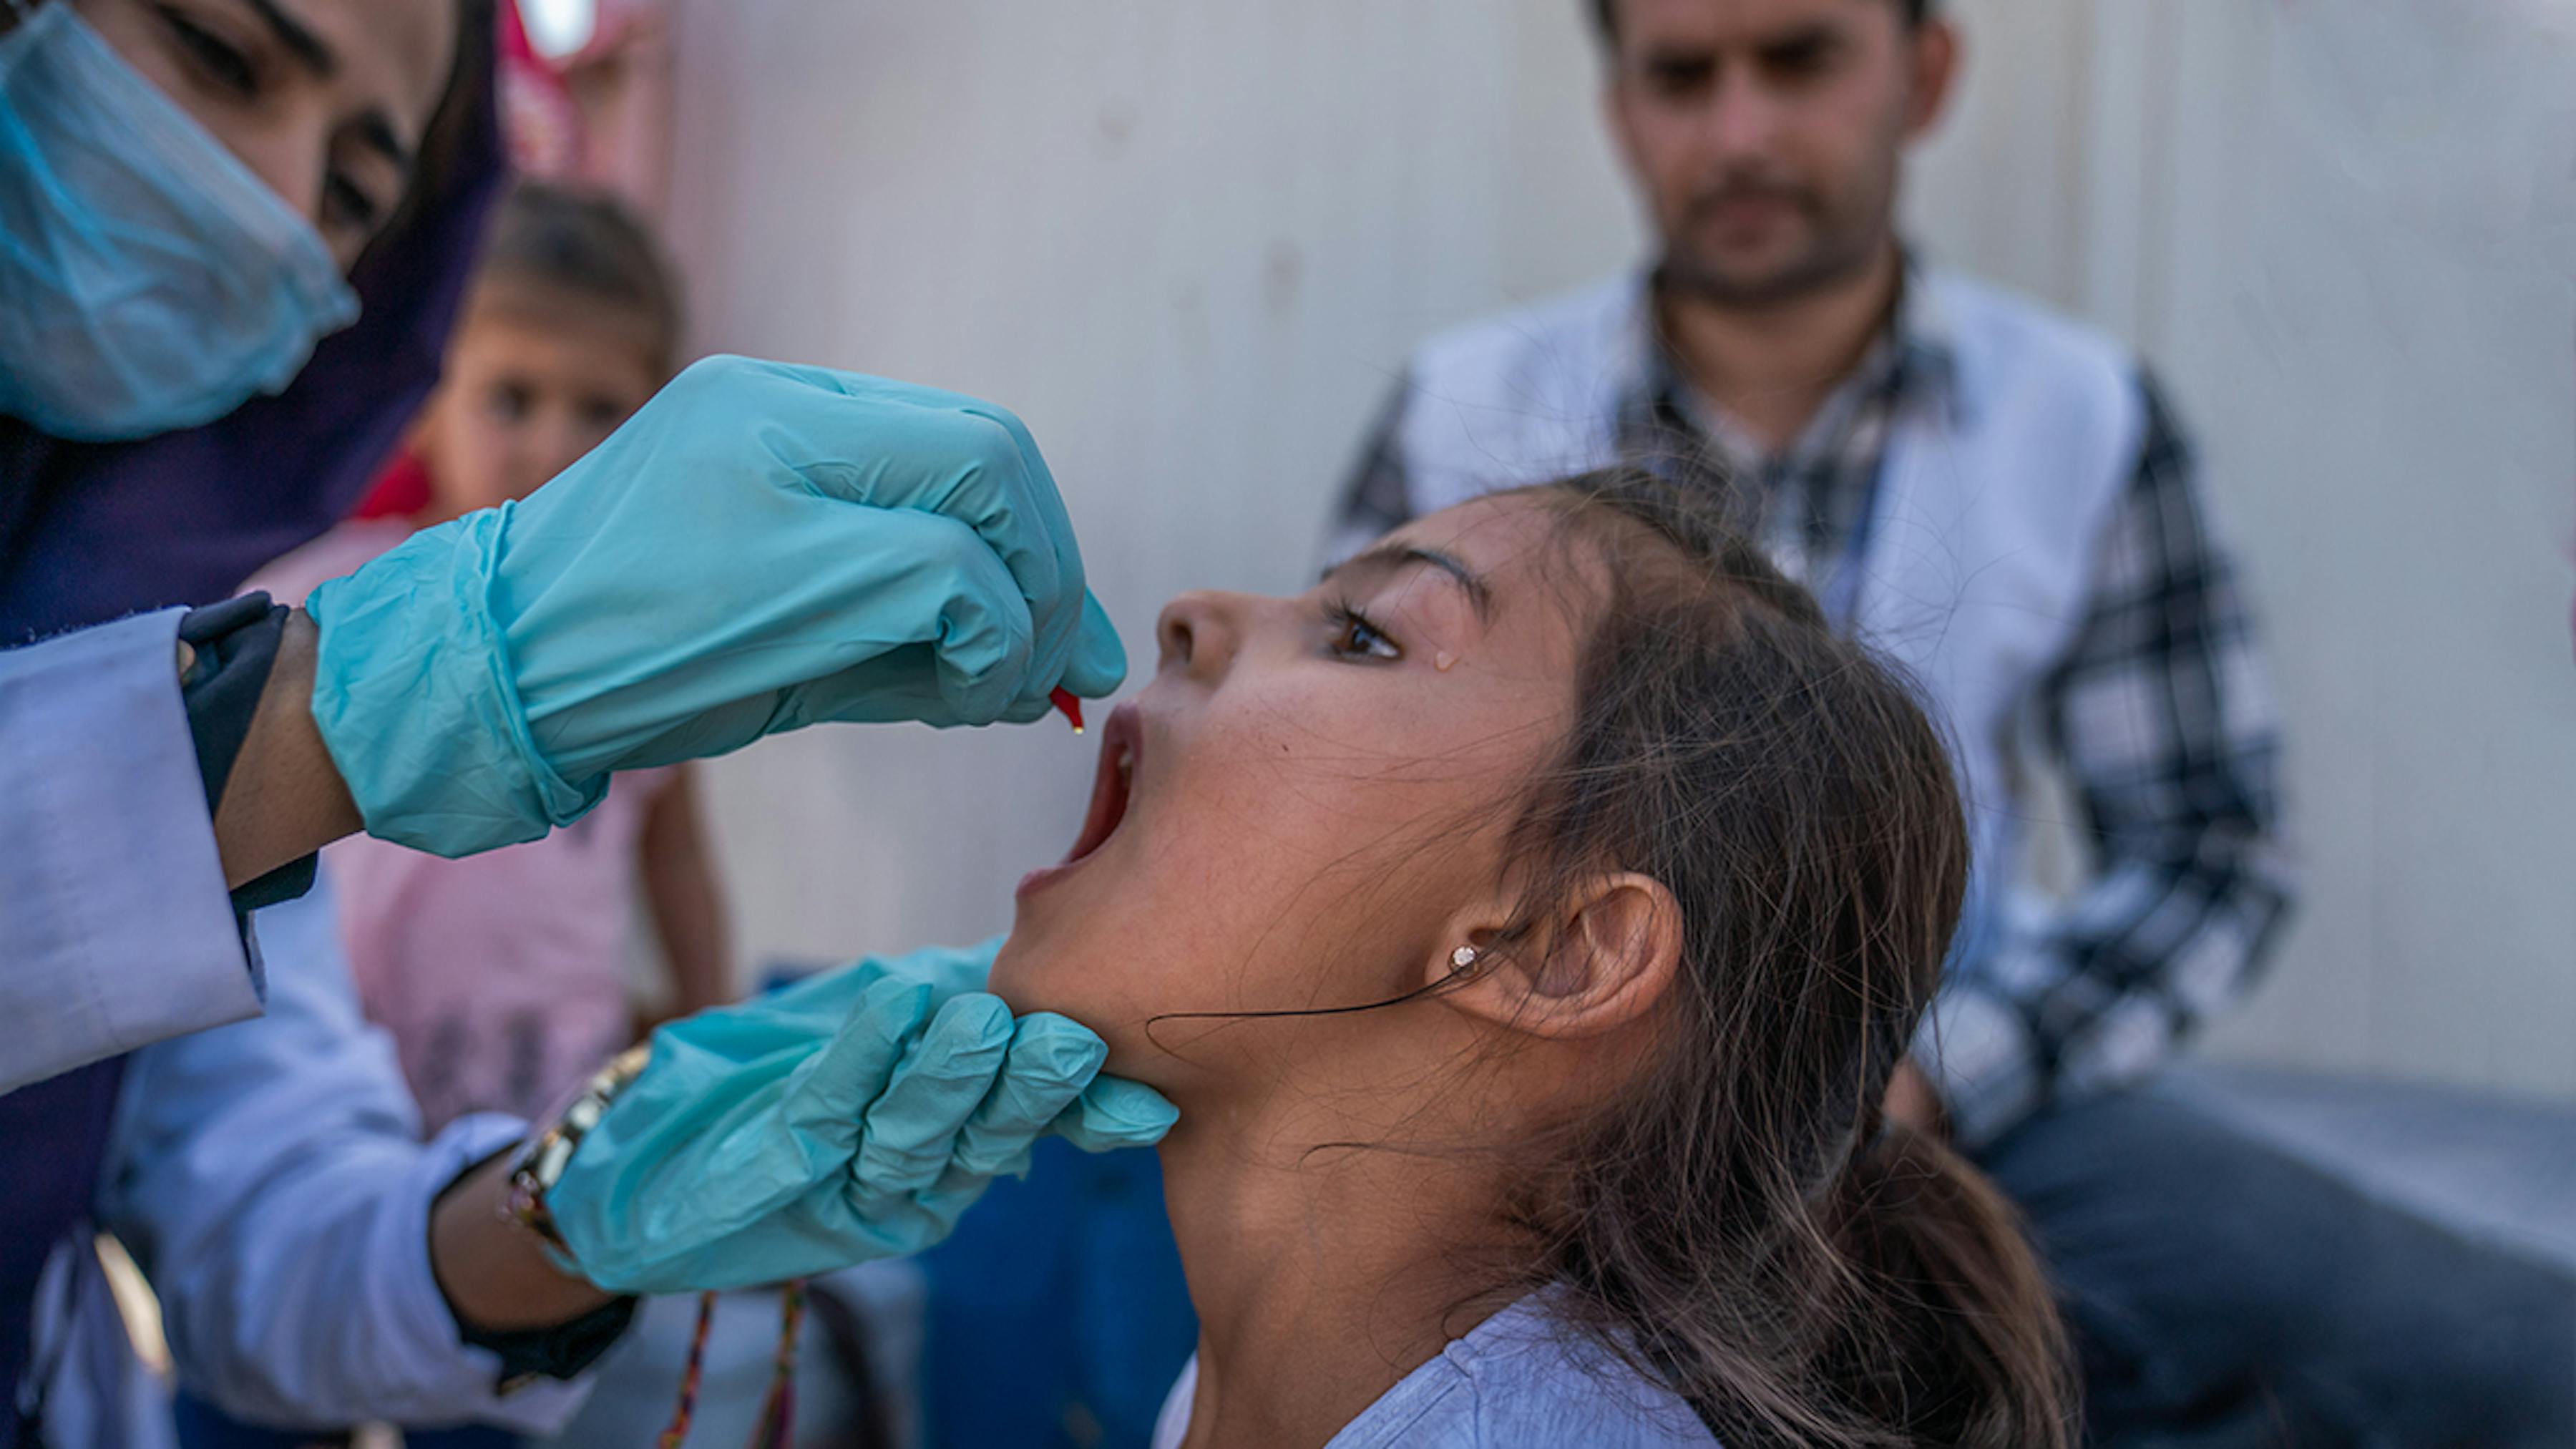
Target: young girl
1527	923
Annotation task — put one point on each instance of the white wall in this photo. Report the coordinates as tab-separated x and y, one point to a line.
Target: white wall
1191	240
2355	262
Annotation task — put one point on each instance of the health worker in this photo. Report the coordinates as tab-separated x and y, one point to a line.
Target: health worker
232	237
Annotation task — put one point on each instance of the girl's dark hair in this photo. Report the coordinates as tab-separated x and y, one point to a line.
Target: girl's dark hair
1742	1222
586	245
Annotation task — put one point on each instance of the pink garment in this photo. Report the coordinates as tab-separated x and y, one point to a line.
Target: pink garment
501	976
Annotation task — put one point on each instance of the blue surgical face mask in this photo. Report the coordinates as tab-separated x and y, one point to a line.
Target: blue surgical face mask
148	281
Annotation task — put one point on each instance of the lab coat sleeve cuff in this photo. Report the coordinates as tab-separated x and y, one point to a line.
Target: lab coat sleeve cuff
1979	1054
120	931
459	1379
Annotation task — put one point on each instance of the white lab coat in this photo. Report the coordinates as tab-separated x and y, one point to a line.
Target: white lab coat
116	929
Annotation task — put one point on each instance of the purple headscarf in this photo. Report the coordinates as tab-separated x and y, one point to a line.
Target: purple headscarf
93	531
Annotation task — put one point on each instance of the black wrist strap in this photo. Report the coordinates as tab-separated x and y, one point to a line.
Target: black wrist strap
553	1353
236	644
558	1352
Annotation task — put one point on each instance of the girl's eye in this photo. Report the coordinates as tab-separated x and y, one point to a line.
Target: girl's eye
1356	637
219	59
509	401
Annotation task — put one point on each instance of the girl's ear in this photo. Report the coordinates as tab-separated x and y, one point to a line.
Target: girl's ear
1604	964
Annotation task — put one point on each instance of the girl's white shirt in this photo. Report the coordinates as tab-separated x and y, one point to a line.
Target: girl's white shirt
1519	1380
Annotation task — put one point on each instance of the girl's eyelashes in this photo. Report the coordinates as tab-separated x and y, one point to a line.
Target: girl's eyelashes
1356	636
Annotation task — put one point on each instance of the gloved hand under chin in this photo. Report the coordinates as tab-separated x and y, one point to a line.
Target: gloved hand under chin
761	548
851	1116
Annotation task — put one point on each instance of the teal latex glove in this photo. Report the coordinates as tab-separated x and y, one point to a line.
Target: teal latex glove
849	1117
761	548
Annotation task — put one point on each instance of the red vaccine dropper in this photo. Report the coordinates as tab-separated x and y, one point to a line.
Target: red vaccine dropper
1068	704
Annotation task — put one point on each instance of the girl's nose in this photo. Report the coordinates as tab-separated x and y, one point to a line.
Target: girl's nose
1198	632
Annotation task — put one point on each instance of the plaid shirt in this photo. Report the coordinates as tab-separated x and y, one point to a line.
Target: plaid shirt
2157	715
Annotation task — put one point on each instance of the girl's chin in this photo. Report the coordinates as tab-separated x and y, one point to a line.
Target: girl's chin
1009	978
1031	976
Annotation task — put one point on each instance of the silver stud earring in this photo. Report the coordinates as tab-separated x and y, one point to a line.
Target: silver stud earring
1462	959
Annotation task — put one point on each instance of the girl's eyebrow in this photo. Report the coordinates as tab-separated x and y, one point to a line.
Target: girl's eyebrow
1389	557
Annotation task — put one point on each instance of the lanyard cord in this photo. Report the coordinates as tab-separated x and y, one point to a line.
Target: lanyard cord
775	1426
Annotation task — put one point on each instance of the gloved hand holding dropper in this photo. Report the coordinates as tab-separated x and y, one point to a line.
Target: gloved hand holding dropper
762	547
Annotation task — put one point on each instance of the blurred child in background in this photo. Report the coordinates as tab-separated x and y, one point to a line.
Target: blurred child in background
502	977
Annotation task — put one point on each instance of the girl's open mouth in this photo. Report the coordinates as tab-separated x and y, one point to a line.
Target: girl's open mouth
1120	737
